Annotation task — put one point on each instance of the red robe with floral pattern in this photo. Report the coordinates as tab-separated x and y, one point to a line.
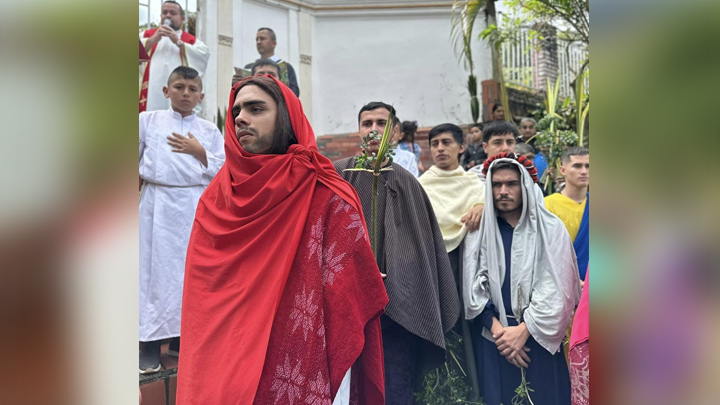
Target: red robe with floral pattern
282	294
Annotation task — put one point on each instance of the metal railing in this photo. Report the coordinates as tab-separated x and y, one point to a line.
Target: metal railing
570	58
520	58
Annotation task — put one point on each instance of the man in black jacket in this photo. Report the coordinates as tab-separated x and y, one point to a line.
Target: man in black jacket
265	41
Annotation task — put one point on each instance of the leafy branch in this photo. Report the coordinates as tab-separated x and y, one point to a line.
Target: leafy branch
463	18
447	384
373	162
553	135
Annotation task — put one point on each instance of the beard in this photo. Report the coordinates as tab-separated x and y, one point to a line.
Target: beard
507	205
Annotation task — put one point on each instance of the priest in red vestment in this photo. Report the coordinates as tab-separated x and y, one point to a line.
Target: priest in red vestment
282	294
168	47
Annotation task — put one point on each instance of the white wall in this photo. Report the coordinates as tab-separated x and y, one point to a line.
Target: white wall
405	60
402	56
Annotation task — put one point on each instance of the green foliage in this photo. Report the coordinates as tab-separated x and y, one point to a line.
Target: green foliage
495	38
553	134
144	27
522	392
373	163
368	161
474	102
447	384
461	32
555	142
220	120
573	13
582	112
463	18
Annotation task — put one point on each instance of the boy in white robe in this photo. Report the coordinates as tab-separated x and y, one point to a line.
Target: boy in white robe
180	153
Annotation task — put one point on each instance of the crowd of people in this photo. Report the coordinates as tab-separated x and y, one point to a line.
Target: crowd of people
259	249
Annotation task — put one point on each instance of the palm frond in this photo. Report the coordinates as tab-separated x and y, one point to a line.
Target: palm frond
581	112
384	143
462	20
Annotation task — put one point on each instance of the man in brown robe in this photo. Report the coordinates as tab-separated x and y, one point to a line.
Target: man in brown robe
424	302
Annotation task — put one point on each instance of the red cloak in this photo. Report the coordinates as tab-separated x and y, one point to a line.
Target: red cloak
250	269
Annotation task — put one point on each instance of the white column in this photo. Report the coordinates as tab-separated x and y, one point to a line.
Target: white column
206	30
305	68
238	57
225	52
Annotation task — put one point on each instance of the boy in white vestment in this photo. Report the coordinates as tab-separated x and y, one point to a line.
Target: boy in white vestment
180	153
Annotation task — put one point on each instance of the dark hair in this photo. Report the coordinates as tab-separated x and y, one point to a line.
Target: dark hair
506	165
270	31
496	106
574	151
182	12
265	62
373	105
523	148
454	130
186	73
409	128
397	123
478	126
284	134
526	163
497	128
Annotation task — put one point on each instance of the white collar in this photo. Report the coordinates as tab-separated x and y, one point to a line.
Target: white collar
177	115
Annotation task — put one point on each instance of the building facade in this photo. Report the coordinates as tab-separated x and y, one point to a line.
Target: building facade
345	54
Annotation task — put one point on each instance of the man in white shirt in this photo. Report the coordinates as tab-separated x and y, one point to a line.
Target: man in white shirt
402	157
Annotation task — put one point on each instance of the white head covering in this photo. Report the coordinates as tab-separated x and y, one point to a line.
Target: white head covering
544	280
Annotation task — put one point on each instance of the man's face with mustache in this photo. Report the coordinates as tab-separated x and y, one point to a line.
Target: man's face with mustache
507	191
373	120
254	113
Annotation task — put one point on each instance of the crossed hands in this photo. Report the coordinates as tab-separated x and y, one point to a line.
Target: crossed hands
510	342
472	218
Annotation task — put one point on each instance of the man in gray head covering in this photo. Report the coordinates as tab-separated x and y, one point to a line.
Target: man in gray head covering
520	280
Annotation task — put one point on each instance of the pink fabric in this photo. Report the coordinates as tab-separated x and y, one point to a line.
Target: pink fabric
581	323
580	374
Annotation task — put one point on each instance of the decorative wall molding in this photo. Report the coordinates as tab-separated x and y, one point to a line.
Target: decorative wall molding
225	40
306	59
364	4
370	8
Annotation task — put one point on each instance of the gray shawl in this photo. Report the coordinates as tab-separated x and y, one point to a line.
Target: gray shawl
544	281
420	283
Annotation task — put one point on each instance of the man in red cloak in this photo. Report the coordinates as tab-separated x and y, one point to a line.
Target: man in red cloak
282	295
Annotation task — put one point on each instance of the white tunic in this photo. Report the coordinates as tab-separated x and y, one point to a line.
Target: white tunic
174	183
407	161
164	60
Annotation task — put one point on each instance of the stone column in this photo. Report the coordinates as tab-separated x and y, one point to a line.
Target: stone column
305	69
547	56
225	69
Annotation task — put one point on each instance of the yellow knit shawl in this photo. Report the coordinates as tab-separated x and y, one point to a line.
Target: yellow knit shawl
452	193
